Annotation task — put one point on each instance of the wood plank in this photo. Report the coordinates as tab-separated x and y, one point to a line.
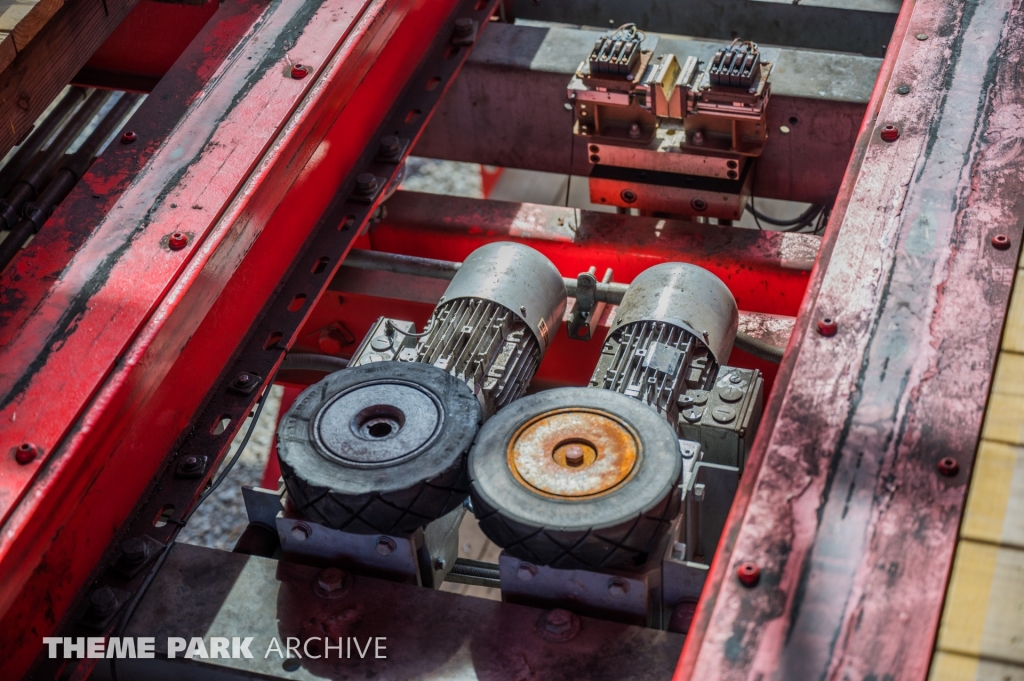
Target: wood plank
12	13
995	504
7	51
1013	336
48	62
1009	378
41	13
952	667
983	615
1004	420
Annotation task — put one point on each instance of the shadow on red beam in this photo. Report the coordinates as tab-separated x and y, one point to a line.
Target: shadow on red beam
766	271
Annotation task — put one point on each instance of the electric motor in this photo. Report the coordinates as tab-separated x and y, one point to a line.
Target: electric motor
380	447
675	326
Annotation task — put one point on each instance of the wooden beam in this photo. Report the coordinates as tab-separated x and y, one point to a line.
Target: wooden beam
48	53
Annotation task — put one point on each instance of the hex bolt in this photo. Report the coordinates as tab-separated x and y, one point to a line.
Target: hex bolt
26	453
827	327
390	145
366	183
300	71
634	131
558	625
177	241
948	466
749	574
386	546
890	133
463	26
243	380
1000	242
103	602
574	456
190	464
128	137
526	571
697	139
331	580
135	551
618	587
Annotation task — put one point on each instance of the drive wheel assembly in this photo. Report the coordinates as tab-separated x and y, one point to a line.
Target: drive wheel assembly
576	478
379	448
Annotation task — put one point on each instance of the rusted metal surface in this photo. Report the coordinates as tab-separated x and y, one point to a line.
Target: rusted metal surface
574	453
848	518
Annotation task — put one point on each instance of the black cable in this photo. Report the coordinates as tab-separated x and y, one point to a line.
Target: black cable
123	624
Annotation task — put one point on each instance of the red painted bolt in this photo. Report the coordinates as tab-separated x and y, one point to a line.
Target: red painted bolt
949	466
26	453
299	71
890	133
1000	242
827	326
177	241
749	574
128	137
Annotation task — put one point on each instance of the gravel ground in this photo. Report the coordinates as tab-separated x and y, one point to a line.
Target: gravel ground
220	520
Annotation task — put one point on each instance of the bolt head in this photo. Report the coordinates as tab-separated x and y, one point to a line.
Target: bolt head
300	71
386	546
618	587
1000	242
903	90
922	36
749	574
25	453
628	195
128	137
463	26
177	241
366	182
526	572
890	133
390	144
331	580
574	456
135	550
827	326
558	625
190	464
948	466
243	379
103	601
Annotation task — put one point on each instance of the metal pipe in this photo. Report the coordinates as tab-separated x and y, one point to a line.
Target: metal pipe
71	170
33	180
27	149
607	292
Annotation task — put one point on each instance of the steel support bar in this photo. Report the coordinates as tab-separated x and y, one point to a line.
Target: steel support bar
861	26
849	517
507	109
245	176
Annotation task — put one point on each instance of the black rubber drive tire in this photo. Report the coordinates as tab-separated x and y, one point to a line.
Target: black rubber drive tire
380	498
619	527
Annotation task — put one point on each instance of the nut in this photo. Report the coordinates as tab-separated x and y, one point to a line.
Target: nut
827	326
558	626
574	456
102	602
366	183
300	71
890	133
948	466
749	574
190	464
390	145
177	241
128	137
1000	242
331	580
463	26
25	453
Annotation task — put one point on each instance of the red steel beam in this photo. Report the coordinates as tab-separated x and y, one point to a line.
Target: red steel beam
847	516
132	334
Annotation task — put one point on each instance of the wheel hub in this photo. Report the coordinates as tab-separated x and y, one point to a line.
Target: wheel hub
574	452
